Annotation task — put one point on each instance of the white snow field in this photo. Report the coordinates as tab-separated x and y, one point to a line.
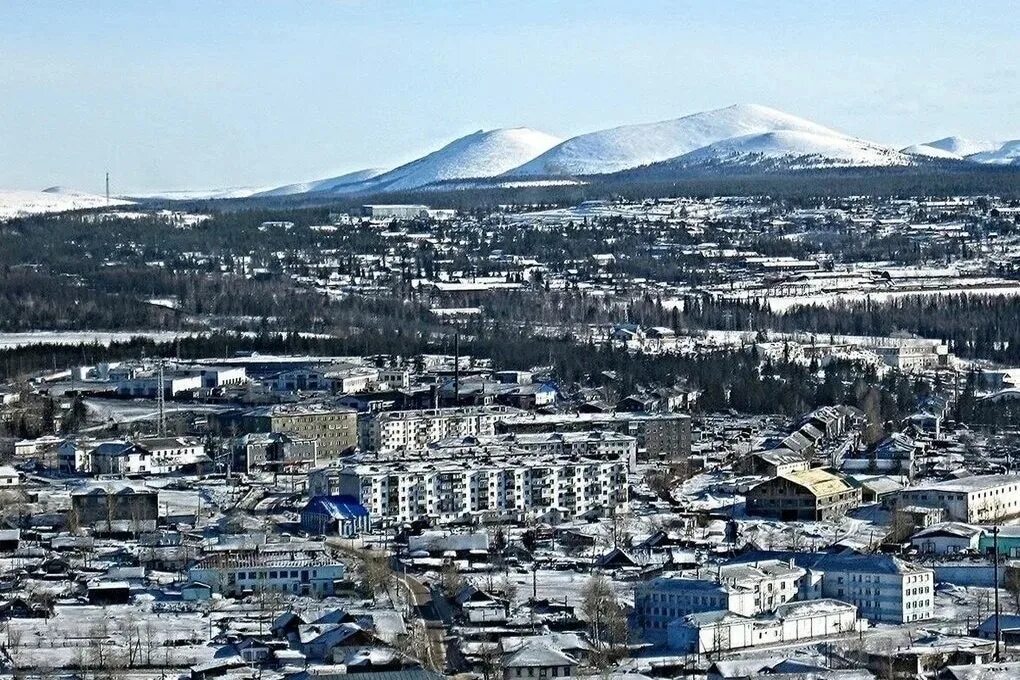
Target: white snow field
18	203
200	194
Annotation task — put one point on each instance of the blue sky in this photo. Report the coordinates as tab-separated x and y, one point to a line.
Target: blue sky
177	95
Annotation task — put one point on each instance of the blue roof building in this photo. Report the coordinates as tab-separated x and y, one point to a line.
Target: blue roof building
339	515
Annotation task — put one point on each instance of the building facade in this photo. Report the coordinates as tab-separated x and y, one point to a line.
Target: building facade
300	568
388	431
812	495
333	429
975	500
492	488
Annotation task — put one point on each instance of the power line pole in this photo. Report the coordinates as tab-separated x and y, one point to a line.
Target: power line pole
161	401
995	570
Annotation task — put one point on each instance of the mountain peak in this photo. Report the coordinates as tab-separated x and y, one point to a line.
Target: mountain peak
485	153
630	146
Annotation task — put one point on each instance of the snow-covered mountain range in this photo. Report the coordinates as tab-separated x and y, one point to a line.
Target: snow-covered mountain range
973	150
744	137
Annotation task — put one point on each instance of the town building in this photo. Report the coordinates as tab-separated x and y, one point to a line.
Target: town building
388	431
948	538
813	495
978	499
882	587
9	477
333	429
114	509
151	455
496	488
273	452
601	445
660	436
744	589
218	377
538	660
297	567
336	515
722	630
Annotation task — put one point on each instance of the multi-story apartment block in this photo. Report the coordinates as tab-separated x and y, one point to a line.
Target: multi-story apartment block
602	445
883	588
744	589
388	431
977	499
660	436
334	429
494	487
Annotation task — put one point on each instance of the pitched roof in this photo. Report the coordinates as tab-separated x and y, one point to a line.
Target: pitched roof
538	654
337	507
817	481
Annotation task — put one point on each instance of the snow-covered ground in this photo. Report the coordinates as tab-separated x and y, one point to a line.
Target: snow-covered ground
12	340
171	639
17	203
783	303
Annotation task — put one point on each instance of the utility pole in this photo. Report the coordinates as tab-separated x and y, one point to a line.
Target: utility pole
995	571
161	400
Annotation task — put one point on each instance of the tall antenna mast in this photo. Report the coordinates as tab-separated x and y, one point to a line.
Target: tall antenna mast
107	189
161	401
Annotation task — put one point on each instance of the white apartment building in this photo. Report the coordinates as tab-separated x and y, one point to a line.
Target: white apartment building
154	455
395	377
744	589
606	445
494	487
883	588
975	500
414	430
720	631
